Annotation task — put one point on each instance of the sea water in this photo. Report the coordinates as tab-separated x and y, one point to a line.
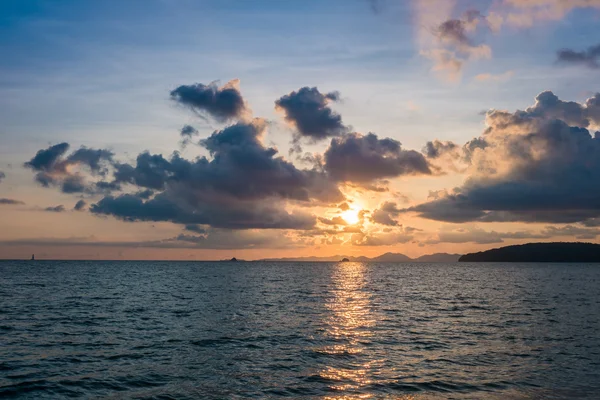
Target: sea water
187	330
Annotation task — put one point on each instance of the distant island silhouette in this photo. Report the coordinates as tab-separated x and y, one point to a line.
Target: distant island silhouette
538	252
344	260
386	257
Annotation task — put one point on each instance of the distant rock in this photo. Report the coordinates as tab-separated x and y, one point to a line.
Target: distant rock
345	260
539	252
233	259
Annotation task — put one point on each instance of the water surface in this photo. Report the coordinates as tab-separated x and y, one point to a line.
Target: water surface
177	330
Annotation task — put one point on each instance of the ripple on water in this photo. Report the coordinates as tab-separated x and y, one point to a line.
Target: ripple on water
323	330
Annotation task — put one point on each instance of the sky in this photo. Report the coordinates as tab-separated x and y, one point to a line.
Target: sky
180	129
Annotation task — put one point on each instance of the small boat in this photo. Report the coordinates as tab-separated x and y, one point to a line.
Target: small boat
33	257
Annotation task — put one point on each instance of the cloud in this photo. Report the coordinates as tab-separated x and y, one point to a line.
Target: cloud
383	239
587	58
365	158
4	201
333	221
195	228
80	205
487	77
243	186
436	148
386	214
215	239
2	176
188	131
308	111
452	41
538	165
53	168
59	208
221	103
481	236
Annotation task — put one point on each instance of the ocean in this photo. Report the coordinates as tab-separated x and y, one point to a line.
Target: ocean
210	330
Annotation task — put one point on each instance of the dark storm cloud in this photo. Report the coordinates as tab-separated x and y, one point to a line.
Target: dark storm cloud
588	58
10	202
386	214
308	111
80	205
222	104
362	159
536	167
59	208
188	131
243	186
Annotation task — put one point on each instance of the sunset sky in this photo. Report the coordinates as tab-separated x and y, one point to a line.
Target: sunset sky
180	129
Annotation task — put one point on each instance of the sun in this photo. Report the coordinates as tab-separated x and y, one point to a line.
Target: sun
350	216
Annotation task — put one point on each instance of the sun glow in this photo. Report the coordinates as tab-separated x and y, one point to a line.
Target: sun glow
350	216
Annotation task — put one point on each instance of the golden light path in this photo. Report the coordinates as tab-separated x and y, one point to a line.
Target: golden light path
351	323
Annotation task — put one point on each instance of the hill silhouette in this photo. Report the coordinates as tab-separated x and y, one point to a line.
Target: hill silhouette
539	252
386	257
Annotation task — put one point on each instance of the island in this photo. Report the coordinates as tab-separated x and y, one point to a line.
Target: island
233	259
345	260
539	252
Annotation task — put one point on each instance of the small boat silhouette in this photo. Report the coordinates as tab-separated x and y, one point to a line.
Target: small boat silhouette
33	257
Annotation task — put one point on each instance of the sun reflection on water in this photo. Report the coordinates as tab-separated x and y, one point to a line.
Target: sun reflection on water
350	325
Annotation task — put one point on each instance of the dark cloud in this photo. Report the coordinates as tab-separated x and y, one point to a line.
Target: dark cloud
547	107
93	158
10	202
308	111
221	103
73	184
236	215
80	205
48	159
362	159
537	166
53	168
588	58
386	214
244	185
59	208
145	194
188	131
195	228
2	176
437	148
